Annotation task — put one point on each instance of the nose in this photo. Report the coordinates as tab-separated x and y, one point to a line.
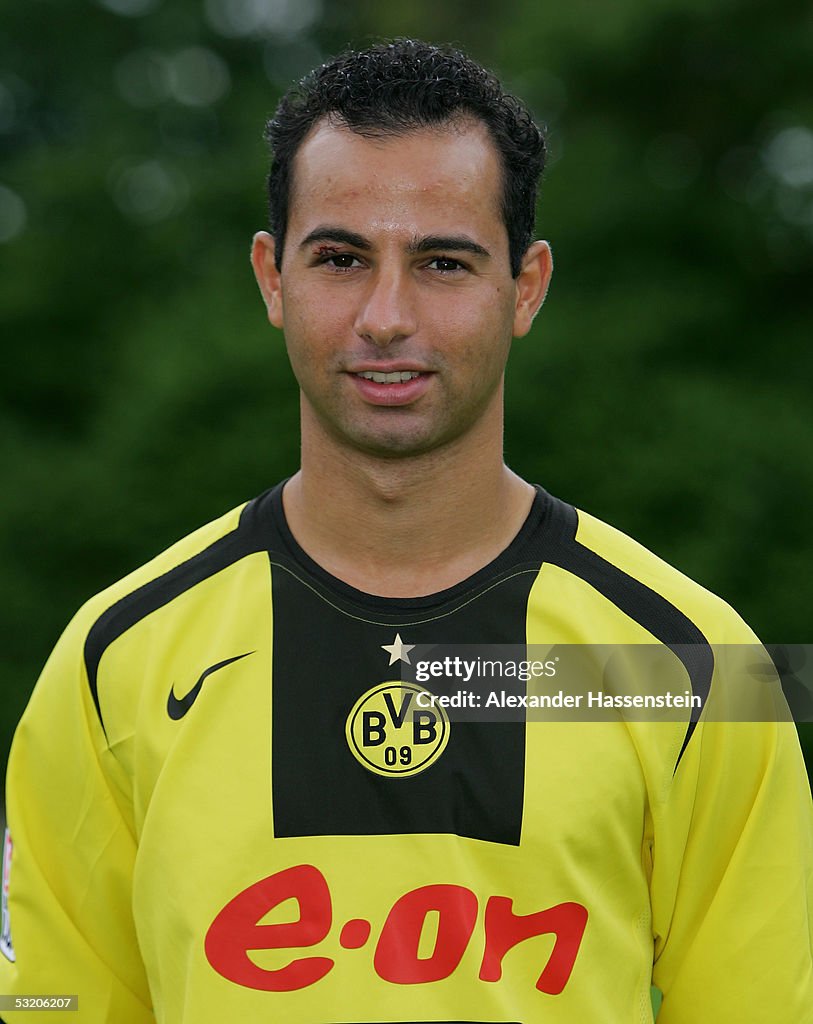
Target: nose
387	312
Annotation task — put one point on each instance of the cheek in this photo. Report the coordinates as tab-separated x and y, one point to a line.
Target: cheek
312	332
483	330
310	308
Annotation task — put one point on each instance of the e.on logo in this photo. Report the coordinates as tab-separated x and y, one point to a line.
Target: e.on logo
235	931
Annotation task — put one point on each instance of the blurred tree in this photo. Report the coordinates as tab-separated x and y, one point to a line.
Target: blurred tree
664	386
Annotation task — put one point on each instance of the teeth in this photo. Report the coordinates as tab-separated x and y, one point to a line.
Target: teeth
389	378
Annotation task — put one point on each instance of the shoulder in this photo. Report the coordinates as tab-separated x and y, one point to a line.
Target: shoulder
196	558
151	605
714	617
208	542
618	571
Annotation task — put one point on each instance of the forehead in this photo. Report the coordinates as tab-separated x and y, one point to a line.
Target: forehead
441	175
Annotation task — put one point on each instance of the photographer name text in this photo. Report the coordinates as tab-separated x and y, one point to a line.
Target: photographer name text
592	699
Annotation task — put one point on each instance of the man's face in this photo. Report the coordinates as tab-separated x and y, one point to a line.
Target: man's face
396	264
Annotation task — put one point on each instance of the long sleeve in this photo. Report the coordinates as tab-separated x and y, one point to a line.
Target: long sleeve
71	852
732	883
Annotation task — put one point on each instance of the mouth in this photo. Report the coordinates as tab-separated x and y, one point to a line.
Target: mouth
391	388
396	377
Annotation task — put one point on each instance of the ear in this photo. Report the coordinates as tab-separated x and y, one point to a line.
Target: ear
263	251
532	286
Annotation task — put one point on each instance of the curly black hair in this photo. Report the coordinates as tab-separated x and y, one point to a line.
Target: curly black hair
396	87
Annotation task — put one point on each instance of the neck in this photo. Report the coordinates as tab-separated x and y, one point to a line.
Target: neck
405	527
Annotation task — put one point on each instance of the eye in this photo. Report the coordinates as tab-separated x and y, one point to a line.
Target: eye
446	265
342	260
338	260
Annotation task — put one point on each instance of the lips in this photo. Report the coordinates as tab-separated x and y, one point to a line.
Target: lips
391	387
396	377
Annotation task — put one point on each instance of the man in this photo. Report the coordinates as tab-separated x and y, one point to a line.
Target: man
223	804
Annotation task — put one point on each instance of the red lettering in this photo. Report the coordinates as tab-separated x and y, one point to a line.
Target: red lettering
504	929
235	931
396	955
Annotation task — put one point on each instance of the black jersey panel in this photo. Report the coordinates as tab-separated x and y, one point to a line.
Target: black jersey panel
327	654
149	597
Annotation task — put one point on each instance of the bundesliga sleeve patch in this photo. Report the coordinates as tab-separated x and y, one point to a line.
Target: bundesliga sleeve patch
6	947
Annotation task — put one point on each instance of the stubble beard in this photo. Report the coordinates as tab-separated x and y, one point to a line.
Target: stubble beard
400	441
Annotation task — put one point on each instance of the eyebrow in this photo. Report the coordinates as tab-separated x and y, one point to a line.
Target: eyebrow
328	233
448	243
429	243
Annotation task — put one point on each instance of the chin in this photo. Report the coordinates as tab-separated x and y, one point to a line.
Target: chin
404	437
400	446
394	448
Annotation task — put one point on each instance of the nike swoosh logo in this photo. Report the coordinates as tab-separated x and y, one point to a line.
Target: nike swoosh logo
176	709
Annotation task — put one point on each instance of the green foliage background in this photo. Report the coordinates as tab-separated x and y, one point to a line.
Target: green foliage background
664	388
